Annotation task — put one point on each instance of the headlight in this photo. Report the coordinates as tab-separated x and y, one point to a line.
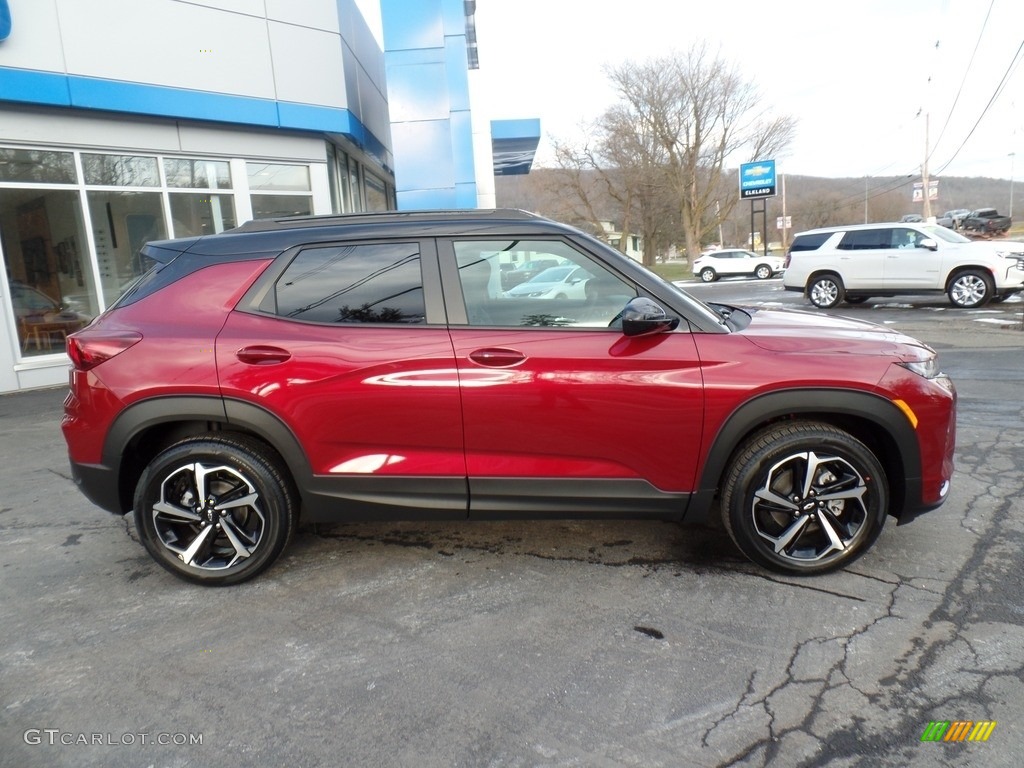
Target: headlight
929	368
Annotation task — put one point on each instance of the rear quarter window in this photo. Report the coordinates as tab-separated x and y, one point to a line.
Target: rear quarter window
810	242
372	283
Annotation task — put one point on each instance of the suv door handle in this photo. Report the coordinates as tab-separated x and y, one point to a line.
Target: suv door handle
497	357
263	355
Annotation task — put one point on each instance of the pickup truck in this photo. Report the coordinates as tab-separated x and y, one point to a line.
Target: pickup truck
986	220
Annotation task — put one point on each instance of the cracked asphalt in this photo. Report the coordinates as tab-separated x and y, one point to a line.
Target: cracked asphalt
524	643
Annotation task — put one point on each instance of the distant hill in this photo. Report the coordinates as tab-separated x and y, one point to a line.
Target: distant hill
810	201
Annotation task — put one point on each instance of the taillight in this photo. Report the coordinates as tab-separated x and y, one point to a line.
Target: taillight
90	349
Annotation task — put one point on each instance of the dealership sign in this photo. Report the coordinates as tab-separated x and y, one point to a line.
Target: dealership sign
757	180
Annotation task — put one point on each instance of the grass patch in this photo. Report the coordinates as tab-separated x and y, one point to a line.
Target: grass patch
673	270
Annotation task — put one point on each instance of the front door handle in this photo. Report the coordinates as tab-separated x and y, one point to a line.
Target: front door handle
497	357
263	355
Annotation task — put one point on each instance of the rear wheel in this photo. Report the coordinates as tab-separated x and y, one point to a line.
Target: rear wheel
708	275
804	498
763	272
825	291
971	288
215	510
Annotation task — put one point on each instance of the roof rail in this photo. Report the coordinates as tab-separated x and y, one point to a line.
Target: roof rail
333	219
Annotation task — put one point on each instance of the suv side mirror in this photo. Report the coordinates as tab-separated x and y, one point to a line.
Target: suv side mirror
928	243
643	317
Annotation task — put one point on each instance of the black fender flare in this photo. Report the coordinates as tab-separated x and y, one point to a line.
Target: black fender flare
873	412
238	414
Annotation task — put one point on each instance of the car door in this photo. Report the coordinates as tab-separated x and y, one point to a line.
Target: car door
908	264
861	257
562	413
346	343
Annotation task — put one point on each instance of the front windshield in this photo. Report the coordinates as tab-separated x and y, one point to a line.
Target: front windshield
942	233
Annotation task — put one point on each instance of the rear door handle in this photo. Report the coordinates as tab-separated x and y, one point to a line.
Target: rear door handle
497	357
263	355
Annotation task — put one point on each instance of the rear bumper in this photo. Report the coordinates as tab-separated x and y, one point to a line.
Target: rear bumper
99	485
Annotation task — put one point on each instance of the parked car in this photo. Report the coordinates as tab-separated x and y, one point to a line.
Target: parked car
851	264
524	271
953	219
555	283
911	218
986	220
735	261
369	367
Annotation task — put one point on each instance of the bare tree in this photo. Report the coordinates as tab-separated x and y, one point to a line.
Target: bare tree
694	114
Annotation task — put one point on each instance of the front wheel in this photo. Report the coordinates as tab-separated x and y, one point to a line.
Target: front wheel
708	275
763	272
969	289
825	291
215	510
804	498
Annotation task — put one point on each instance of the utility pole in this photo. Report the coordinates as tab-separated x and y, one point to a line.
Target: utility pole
1013	156
927	212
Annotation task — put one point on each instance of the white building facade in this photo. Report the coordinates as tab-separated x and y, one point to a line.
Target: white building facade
123	121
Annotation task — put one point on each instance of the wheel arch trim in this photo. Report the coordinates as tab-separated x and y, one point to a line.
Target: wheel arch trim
879	412
146	414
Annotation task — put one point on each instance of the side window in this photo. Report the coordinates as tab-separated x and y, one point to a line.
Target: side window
809	242
906	238
378	283
536	283
866	239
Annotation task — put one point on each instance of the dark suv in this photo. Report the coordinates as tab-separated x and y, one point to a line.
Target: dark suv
371	367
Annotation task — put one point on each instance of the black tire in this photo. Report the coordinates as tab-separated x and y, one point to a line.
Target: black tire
248	503
708	275
825	291
779	525
763	272
856	299
970	288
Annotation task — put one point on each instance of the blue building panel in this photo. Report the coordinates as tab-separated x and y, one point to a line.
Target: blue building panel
426	159
462	147
410	24
431	199
457	72
425	50
117	96
417	92
34	87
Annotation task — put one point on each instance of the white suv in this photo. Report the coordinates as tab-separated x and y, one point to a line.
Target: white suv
853	263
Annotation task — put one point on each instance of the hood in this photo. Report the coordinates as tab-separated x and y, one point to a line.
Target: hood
801	331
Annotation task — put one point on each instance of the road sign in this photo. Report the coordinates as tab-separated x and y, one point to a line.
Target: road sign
757	180
783	222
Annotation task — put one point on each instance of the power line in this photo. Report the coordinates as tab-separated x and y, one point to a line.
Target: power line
1014	63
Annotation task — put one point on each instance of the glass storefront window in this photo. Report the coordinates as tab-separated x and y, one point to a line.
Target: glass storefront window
278	206
376	193
278	177
49	277
37	166
185	173
201	214
120	170
121	223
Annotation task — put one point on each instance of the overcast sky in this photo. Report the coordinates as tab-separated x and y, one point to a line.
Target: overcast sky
854	74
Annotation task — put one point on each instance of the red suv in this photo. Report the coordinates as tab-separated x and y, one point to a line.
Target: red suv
371	367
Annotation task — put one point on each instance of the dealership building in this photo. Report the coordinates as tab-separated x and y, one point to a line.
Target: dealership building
124	121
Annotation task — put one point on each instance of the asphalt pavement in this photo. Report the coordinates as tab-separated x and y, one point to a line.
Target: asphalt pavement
525	643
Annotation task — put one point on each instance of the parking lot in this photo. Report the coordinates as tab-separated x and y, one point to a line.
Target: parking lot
526	643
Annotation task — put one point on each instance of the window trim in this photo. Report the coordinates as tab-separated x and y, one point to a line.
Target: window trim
261	293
